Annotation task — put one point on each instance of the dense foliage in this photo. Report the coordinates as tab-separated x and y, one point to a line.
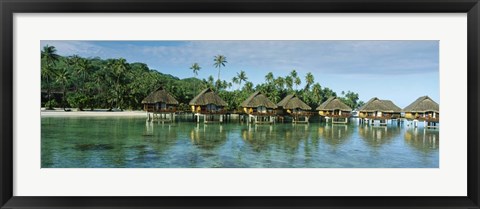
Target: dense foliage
113	83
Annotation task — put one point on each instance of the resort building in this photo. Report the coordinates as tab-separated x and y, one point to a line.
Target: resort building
259	108
335	110
209	105
423	109
293	106
379	110
160	106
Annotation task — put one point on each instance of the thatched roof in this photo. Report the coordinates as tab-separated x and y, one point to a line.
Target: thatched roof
207	96
333	103
293	102
423	104
391	106
376	104
160	95
258	99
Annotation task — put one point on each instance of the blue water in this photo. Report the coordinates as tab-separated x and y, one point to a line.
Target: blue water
128	142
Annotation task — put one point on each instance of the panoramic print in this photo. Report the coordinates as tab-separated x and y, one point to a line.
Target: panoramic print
240	104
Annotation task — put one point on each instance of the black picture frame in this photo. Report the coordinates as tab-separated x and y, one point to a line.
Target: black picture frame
10	7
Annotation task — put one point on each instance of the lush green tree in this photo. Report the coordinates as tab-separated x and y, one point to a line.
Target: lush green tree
219	62
280	83
350	99
99	83
63	77
295	79
236	81
297	82
120	67
289	83
242	76
360	104
327	93
309	80
195	68
269	78
317	93
49	58
248	87
293	74
210	82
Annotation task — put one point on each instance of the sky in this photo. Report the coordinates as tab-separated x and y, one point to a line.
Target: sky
400	71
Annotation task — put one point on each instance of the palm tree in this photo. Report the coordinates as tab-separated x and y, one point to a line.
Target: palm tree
220	61
269	77
235	81
289	83
295	78
118	68
195	67
82	69
309	80
317	91
210	82
293	74
297	82
280	83
242	76
248	86
63	76
49	58
226	84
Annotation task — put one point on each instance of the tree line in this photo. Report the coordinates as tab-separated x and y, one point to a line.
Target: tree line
95	83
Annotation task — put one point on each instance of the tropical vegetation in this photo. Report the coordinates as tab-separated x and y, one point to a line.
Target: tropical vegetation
93	83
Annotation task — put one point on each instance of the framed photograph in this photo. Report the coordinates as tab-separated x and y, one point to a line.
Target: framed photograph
195	104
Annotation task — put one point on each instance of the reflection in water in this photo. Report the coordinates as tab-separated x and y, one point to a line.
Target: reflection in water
377	136
258	136
294	135
208	136
131	142
422	139
335	134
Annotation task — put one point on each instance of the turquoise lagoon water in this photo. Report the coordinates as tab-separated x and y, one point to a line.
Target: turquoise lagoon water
129	142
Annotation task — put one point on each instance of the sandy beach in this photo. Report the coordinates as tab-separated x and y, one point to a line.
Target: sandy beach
100	113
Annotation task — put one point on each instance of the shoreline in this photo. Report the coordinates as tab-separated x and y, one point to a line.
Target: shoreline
95	113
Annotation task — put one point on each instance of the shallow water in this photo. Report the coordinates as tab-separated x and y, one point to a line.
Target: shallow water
128	142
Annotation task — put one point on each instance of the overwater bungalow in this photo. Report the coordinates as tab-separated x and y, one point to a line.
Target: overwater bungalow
423	109
259	108
293	106
209	105
379	110
160	106
335	110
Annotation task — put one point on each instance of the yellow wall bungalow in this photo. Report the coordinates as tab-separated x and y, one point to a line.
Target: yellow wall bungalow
207	102
258	103
293	106
160	101
379	109
334	107
424	108
259	108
